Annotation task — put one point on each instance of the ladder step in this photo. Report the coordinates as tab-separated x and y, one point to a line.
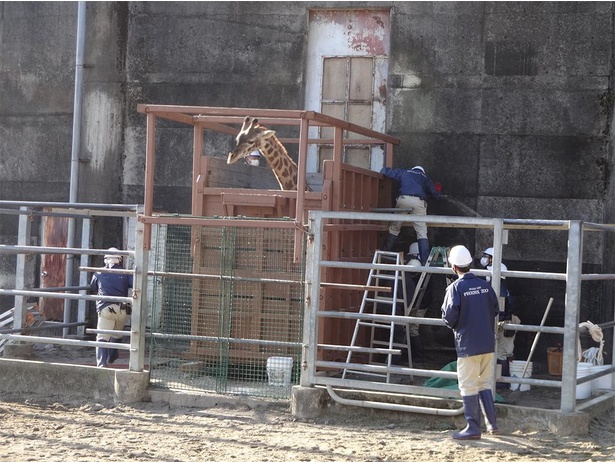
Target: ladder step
393	345
386	301
388	277
374	324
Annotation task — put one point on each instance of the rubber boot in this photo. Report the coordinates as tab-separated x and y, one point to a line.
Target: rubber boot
389	243
416	347
424	250
471	411
114	353
505	373
486	401
102	355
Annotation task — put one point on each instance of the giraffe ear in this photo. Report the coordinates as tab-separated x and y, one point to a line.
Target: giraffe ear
268	134
246	124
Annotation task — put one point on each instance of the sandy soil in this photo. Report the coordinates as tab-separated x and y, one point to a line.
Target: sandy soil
47	430
55	429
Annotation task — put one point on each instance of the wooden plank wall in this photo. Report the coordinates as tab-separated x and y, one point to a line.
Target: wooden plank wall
357	189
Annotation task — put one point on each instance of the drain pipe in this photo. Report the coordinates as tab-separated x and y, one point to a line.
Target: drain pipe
392	406
74	157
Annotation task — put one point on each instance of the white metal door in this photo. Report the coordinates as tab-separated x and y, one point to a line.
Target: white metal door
347	77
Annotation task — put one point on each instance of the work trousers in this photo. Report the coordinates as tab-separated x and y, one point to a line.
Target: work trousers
108	320
418	207
475	373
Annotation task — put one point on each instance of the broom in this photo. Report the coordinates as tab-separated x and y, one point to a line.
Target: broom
529	358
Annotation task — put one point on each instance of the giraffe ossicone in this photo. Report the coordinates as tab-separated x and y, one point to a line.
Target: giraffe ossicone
254	136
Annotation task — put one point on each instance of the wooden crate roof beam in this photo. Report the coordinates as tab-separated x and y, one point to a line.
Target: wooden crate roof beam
311	115
220	111
191	114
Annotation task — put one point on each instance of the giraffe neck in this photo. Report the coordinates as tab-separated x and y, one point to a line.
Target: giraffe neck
284	168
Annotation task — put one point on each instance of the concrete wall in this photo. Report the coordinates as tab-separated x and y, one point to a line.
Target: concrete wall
27	378
508	104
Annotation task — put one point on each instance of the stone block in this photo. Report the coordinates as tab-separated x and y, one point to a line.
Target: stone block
307	402
130	387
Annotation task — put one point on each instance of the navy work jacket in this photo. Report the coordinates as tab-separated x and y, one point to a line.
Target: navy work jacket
113	285
469	309
412	182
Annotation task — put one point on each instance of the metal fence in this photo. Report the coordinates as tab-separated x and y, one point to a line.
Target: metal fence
75	297
227	299
220	305
331	374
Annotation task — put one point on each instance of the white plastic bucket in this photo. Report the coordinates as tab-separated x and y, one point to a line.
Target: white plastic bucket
584	390
516	369
602	383
279	370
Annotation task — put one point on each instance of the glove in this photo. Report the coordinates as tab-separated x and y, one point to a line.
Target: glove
438	187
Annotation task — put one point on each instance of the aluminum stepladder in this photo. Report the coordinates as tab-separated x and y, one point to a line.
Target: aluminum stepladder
421	285
382	301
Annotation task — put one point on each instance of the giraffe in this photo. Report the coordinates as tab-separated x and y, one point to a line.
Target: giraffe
254	136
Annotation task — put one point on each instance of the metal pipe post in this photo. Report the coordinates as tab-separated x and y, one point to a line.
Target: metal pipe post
23	238
139	304
74	158
571	317
83	276
312	300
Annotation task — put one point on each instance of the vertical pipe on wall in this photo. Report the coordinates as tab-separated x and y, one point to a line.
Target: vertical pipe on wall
74	157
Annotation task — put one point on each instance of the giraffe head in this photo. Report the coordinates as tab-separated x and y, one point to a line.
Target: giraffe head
251	137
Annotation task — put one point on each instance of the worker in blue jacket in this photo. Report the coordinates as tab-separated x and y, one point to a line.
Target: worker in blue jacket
111	315
469	308
415	187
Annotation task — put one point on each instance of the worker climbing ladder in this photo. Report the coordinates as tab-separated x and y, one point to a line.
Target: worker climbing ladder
385	294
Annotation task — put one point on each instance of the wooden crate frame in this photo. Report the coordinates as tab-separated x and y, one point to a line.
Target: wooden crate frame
344	188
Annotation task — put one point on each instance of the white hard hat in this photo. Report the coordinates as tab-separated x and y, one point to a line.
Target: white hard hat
460	256
413	249
414	262
113	249
418	167
489	251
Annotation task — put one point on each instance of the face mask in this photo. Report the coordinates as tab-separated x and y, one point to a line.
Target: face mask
109	262
484	261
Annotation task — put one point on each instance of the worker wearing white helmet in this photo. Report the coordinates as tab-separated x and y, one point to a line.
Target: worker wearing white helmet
486	261
505	337
413	255
415	187
111	315
254	158
469	308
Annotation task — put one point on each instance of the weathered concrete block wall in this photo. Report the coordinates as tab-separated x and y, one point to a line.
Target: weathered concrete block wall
27	378
508	104
211	54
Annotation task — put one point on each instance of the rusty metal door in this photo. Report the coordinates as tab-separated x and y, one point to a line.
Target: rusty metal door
53	266
347	79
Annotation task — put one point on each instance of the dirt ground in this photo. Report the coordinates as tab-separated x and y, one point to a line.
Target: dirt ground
52	429
49	430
